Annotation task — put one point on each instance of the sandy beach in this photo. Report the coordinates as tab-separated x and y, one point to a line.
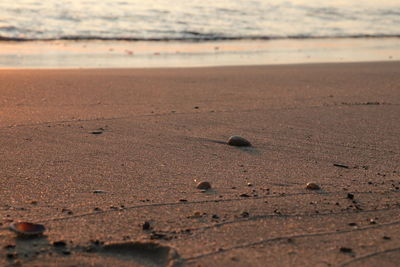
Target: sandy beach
93	154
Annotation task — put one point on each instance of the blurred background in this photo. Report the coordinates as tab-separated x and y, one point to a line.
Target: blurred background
192	21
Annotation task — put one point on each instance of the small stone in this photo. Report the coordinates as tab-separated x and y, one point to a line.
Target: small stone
244	195
11	255
183	200
99	192
146	226
249	184
312	186
59	243
215	216
350	196
204	185
352	224
238	141
27	229
9	247
96	132
245	214
197	214
346	250
387	237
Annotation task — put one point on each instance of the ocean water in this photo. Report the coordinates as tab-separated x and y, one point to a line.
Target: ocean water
197	19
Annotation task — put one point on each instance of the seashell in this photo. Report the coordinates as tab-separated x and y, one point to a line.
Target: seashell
204	185
27	228
312	186
238	141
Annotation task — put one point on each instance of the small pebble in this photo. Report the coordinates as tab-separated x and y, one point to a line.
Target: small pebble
98	192
59	244
387	237
204	185
146	226
346	250
238	141
197	214
350	196
244	195
245	214
27	229
312	186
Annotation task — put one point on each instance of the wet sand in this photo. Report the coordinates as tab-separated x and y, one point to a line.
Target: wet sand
94	154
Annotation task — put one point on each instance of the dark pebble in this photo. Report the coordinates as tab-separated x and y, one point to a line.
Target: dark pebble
59	244
204	185
387	237
238	141
183	200
11	255
244	195
312	186
350	196
96	132
346	250
215	216
245	214
352	224
146	226
9	247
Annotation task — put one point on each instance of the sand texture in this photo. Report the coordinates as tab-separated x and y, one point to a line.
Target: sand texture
94	154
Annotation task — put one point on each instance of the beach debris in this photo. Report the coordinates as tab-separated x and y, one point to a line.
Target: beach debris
340	165
346	250
350	196
312	186
236	140
99	192
146	226
27	228
204	185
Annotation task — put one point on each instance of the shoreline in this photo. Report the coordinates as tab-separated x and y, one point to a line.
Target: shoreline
124	54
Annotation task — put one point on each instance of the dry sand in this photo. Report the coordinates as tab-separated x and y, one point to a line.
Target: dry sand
160	130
